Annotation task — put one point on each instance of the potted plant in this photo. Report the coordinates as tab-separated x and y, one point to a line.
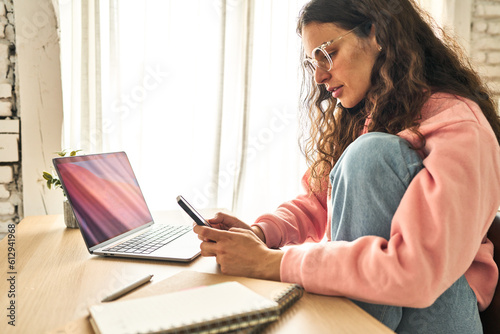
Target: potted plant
53	182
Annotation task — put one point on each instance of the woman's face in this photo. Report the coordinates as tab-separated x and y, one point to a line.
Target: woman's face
352	61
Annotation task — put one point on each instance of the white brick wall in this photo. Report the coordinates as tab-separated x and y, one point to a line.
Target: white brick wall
4	192
485	44
10	179
6	174
3	226
487	9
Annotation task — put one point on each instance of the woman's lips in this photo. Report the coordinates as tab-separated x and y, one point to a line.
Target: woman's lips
336	91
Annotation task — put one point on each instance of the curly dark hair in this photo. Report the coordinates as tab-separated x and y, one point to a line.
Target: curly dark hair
414	63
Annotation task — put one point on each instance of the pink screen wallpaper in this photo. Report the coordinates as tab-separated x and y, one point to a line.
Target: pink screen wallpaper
104	194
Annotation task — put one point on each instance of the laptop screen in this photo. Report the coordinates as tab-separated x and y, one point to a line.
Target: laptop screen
104	194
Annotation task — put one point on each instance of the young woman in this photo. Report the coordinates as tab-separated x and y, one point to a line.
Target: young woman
404	176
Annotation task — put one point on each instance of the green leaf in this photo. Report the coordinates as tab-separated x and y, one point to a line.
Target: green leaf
61	153
47	176
49	184
73	153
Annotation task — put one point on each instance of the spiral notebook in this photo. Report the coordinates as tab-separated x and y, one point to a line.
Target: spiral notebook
217	308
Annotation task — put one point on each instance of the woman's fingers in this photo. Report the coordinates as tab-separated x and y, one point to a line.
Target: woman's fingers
208	233
224	221
208	248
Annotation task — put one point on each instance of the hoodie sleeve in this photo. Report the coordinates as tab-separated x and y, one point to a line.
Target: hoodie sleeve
299	220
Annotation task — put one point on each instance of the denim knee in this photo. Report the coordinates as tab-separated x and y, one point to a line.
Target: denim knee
368	182
374	152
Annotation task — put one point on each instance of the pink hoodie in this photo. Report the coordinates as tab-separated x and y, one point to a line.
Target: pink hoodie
437	233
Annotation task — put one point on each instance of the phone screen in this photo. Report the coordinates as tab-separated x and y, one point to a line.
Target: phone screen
192	212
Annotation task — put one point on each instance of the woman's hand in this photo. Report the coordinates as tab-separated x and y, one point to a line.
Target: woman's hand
237	249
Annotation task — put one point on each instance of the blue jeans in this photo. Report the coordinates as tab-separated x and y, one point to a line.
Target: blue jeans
368	183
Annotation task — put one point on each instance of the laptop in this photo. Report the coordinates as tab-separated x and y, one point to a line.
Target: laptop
112	213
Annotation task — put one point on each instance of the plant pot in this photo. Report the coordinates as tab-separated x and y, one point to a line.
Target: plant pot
69	216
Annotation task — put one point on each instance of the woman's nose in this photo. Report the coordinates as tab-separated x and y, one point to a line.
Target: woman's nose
321	75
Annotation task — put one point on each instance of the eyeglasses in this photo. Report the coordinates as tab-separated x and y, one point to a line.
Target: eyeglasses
321	57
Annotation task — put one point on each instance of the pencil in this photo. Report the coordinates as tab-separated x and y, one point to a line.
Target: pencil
127	289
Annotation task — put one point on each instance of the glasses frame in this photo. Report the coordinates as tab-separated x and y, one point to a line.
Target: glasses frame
312	63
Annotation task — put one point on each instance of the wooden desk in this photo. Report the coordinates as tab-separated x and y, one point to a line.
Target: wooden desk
57	280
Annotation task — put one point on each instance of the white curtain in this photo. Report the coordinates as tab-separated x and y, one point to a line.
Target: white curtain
202	95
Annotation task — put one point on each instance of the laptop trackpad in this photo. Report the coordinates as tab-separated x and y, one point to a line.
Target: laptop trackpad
185	246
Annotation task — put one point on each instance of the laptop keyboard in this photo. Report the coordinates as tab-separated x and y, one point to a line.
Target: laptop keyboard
159	235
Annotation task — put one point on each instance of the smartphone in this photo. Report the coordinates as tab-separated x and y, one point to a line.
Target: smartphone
192	212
